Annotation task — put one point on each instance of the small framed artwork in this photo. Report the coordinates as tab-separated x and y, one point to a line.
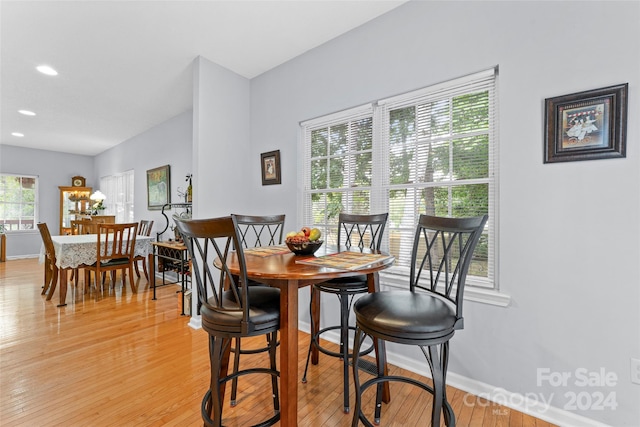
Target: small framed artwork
270	167
586	125
158	187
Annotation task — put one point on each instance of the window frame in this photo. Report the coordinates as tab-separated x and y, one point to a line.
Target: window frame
329	227
35	203
479	288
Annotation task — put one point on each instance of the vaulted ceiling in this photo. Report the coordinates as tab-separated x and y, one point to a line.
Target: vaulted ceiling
125	66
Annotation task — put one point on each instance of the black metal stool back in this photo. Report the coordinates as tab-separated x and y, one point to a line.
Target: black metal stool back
354	231
426	315
228	308
255	231
362	231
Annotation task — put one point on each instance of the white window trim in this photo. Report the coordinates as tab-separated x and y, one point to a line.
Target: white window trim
394	280
36	209
477	289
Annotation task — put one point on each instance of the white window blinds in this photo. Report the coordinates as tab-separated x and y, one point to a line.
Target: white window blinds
338	168
119	190
431	151
438	148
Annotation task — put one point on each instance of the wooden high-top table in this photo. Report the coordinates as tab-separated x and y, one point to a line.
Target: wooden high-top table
281	271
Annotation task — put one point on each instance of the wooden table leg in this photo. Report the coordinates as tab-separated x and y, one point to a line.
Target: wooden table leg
289	353
3	247
315	315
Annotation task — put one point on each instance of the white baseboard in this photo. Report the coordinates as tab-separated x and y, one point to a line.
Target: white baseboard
195	322
14	257
496	395
534	407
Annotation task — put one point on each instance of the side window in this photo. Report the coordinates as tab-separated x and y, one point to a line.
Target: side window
340	171
119	191
18	202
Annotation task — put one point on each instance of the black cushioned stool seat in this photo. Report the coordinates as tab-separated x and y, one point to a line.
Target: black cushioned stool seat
425	315
230	309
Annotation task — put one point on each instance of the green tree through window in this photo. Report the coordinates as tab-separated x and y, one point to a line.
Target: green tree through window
426	152
18	202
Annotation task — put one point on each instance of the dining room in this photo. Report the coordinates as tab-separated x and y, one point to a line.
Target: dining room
552	226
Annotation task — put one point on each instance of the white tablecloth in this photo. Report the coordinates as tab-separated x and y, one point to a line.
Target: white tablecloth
73	251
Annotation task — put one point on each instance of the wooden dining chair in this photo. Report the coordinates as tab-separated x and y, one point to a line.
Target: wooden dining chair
101	219
144	229
354	232
83	226
229	309
50	268
254	231
426	315
115	251
78	227
51	271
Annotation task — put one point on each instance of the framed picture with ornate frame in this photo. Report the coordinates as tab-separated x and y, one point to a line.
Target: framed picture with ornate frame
586	125
270	162
158	187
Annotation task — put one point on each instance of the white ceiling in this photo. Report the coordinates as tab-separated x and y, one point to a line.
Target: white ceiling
125	66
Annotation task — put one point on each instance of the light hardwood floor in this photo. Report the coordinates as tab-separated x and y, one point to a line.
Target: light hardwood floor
127	360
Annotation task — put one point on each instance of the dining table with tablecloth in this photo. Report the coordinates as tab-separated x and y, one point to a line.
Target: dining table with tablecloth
73	251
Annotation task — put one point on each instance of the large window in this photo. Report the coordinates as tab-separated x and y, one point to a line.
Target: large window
429	151
338	169
118	189
18	202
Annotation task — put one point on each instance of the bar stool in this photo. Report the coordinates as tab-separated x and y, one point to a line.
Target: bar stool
427	314
254	231
229	309
354	231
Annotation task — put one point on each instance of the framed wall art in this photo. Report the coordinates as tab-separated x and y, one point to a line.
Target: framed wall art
270	163
158	187
586	125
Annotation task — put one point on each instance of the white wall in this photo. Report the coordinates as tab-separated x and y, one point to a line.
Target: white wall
53	169
169	143
569	233
221	140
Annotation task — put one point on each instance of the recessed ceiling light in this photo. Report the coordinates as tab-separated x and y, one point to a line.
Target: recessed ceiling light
27	112
18	134
45	69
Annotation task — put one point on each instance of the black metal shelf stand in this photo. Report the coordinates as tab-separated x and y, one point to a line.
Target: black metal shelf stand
172	255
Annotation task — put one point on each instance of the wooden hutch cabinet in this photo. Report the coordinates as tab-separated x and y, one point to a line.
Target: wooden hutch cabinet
74	203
